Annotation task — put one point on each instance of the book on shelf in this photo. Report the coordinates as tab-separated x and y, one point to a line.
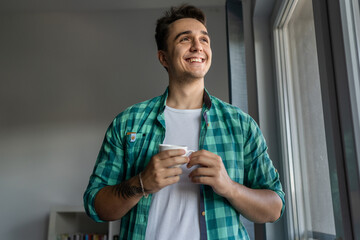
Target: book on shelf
82	236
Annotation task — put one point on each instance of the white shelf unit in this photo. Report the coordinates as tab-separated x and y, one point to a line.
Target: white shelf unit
73	219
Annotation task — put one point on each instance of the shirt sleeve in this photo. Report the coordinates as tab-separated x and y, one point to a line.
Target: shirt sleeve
108	168
260	172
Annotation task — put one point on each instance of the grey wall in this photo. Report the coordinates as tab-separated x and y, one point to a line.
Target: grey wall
267	96
63	77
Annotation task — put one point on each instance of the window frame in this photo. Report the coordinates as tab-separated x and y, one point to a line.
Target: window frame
340	128
337	83
286	113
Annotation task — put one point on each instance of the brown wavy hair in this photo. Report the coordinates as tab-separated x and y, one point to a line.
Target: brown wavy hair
170	16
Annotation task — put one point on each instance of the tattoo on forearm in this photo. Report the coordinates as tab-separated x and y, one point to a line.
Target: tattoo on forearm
125	190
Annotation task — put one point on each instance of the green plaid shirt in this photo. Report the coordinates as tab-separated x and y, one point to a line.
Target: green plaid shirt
133	138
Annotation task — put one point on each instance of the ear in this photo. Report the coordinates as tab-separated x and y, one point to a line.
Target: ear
162	58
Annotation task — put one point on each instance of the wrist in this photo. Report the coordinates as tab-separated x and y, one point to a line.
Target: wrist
128	189
230	192
145	195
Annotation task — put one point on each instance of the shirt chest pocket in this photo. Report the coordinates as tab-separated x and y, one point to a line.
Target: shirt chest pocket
136	146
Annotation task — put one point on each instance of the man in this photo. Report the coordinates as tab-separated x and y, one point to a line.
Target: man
229	174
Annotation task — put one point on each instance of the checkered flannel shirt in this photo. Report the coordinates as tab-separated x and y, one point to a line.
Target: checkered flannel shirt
133	138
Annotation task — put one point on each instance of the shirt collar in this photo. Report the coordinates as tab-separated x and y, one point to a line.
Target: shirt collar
206	100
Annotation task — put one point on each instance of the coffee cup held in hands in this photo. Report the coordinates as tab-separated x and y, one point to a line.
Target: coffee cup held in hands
164	147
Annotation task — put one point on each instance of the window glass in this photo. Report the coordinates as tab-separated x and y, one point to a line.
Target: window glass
311	170
350	14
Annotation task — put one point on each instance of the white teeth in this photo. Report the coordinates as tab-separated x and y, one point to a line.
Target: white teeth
195	60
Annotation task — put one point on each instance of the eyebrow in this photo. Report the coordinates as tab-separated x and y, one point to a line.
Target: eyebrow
188	32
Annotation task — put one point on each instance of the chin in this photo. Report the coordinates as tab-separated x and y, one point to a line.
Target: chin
190	76
199	75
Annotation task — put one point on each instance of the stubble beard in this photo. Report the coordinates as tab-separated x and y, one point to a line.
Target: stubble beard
188	77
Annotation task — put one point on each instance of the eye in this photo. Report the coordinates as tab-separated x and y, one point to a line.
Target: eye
184	39
205	40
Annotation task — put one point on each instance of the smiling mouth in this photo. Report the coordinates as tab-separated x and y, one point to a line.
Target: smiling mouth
199	60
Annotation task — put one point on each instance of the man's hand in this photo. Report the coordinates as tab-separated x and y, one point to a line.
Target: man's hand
113	202
211	172
160	172
258	205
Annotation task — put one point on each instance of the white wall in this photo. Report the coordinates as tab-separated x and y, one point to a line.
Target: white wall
63	77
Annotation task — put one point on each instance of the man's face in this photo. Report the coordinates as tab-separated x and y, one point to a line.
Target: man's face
188	54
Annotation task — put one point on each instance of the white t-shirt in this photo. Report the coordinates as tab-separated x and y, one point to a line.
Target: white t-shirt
174	211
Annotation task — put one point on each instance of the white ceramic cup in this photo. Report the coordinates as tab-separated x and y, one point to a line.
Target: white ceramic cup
164	147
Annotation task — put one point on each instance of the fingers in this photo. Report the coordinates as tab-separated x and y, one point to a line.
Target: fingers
171	153
154	180
160	172
162	178
203	176
211	172
203	180
175	162
210	166
204	158
202	172
171	158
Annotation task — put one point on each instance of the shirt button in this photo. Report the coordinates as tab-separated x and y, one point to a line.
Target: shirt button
203	213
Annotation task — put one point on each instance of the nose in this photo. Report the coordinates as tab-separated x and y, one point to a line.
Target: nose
196	46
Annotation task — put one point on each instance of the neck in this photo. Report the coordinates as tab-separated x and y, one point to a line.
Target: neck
185	95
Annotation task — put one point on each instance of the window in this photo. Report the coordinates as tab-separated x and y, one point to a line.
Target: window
316	46
350	14
310	206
